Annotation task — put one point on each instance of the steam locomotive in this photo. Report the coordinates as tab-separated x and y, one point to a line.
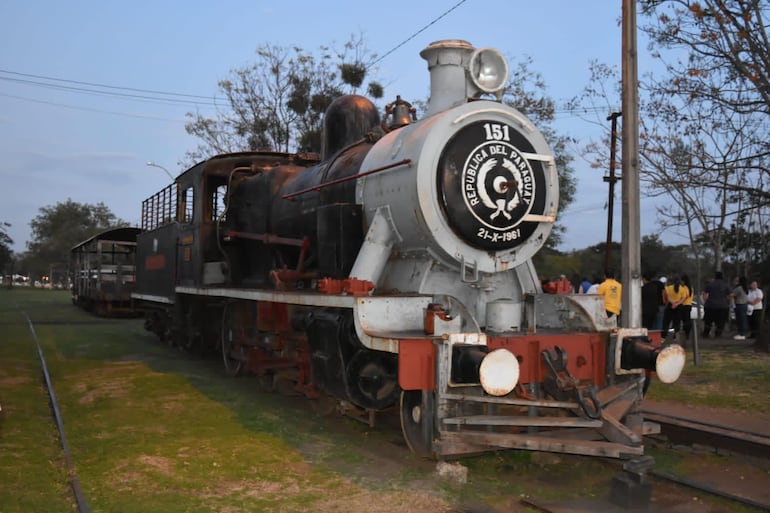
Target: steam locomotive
395	270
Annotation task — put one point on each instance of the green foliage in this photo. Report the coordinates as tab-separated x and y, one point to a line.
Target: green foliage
278	102
353	73
57	228
154	430
375	90
656	259
6	253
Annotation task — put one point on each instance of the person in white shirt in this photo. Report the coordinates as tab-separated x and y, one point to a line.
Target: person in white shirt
755	298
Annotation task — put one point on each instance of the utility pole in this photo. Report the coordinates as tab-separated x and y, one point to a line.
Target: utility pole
631	232
611	179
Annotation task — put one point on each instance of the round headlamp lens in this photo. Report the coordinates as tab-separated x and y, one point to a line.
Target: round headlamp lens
670	362
489	70
499	372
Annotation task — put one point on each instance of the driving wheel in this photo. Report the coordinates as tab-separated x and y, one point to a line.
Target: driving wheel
417	421
232	351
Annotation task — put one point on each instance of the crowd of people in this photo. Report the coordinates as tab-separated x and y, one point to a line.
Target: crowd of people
667	302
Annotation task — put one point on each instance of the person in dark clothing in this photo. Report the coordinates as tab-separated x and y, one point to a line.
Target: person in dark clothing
740	299
652	299
716	306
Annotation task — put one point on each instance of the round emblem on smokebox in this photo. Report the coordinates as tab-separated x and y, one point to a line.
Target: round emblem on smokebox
488	186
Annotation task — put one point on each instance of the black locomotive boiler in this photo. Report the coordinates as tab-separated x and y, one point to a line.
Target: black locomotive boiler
395	270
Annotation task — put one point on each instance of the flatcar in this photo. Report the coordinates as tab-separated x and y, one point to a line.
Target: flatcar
394	270
103	273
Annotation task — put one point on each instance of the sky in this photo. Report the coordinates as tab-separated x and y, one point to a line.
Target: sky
59	143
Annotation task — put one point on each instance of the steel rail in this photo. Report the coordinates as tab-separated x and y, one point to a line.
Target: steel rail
681	430
77	489
710	489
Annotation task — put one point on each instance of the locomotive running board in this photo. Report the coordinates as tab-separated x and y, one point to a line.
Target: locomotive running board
370	313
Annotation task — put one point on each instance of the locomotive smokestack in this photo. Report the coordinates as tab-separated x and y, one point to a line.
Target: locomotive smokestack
458	71
447	62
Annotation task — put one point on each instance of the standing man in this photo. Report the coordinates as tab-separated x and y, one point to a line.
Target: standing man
757	310
651	299
611	290
716	306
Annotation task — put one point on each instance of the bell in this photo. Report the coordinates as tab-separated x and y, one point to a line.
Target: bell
401	113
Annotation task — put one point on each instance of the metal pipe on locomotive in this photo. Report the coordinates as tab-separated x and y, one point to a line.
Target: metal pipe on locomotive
395	270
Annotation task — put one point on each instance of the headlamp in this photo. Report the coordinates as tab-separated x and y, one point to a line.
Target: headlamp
488	69
499	372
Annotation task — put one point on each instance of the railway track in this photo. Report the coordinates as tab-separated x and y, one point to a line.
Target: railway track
77	489
750	448
742	451
686	431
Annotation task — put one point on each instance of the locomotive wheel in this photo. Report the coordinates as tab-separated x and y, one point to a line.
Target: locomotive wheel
417	421
232	352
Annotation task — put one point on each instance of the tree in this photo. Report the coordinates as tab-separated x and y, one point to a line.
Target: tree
278	102
708	137
704	163
526	92
6	253
58	228
717	67
726	46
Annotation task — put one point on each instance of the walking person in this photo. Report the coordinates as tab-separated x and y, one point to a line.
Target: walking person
740	299
757	310
716	305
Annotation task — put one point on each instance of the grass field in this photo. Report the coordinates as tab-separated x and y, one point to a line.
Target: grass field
152	429
729	374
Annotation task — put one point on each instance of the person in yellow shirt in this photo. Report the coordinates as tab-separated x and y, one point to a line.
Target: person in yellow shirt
675	294
611	290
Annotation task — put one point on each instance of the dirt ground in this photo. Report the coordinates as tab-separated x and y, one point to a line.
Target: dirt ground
387	458
737	475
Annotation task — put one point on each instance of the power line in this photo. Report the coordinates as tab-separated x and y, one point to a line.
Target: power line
402	43
61	87
105	86
87	109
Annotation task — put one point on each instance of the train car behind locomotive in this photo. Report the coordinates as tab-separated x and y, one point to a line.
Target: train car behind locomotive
395	269
102	272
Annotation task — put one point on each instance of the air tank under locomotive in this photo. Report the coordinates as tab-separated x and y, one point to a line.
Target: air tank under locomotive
397	270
